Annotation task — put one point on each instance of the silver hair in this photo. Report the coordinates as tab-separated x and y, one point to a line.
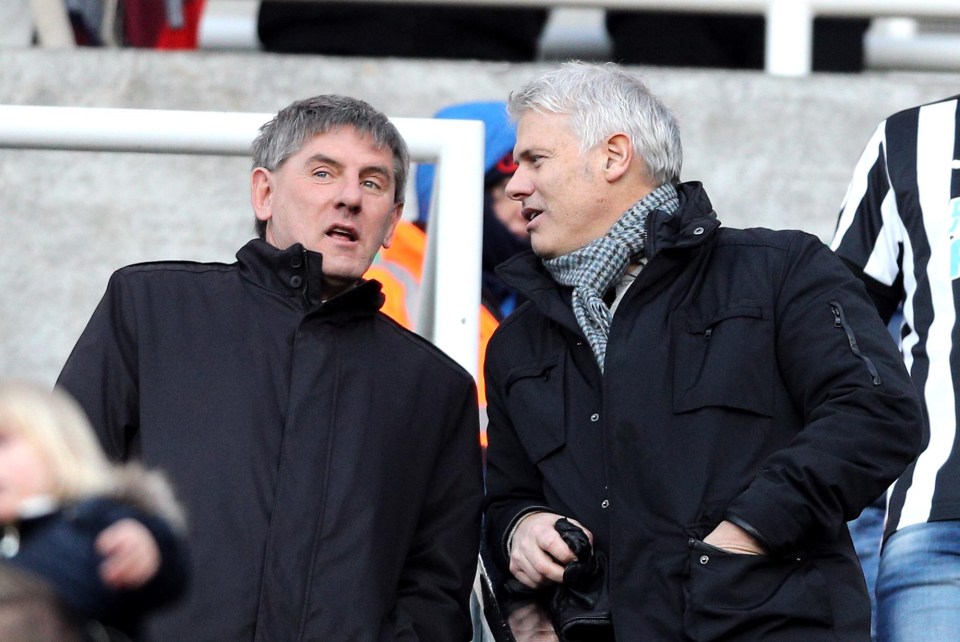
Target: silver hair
286	133
603	99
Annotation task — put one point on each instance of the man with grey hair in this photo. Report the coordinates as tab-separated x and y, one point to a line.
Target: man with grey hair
709	405
328	459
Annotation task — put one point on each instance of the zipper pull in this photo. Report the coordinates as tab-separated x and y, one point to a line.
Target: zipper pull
837	321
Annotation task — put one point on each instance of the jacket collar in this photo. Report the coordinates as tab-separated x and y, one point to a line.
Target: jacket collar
297	272
692	225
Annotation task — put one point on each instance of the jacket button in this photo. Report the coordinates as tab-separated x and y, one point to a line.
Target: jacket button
595	417
296	281
704	559
296	261
605	503
698	231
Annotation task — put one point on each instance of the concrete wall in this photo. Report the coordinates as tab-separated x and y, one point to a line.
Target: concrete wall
772	151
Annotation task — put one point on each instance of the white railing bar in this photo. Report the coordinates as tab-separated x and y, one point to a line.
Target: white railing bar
455	145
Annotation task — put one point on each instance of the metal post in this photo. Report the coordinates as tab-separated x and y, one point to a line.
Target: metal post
789	38
52	23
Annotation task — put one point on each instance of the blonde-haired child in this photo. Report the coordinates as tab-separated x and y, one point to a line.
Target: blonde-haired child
106	538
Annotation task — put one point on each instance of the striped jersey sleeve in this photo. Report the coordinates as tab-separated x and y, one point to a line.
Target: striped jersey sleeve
899	230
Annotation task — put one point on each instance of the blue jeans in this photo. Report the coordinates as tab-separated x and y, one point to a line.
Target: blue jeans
918	585
867	534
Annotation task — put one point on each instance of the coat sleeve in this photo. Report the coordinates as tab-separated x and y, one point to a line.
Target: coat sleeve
862	421
102	370
869	235
514	486
170	581
438	575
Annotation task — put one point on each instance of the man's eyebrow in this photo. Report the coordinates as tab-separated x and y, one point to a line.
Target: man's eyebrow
380	170
376	169
527	154
366	171
326	160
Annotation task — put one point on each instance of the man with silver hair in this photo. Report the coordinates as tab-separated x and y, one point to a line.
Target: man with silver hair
328	459
709	405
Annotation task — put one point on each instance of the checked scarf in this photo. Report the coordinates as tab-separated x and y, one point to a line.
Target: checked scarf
595	267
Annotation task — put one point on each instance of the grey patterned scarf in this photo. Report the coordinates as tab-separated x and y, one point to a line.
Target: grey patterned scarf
595	267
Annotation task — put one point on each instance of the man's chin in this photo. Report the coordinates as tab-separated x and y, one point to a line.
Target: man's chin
543	252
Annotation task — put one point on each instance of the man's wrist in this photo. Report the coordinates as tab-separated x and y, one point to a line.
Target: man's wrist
751	531
522	515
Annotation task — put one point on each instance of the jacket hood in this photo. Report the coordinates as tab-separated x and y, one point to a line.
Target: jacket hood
499	138
148	491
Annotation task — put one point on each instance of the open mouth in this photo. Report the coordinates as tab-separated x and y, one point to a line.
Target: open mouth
529	213
345	233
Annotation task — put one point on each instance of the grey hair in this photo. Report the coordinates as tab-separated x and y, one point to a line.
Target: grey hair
603	99
286	133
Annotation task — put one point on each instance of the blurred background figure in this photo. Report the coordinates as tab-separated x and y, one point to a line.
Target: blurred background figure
685	39
105	539
30	610
400	30
504	228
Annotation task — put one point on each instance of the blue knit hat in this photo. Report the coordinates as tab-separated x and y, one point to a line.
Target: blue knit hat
500	137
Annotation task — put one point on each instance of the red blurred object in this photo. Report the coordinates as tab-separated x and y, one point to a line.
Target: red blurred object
145	24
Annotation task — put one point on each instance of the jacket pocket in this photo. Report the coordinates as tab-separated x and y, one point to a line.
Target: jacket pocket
734	597
724	359
840	321
534	401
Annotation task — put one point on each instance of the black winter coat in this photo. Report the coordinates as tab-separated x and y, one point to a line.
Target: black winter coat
748	377
328	458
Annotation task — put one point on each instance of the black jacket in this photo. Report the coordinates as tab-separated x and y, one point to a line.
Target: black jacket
748	378
328	459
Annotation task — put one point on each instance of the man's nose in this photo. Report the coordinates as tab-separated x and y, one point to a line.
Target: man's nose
351	194
518	186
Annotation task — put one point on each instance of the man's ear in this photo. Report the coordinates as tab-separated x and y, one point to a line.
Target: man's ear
618	155
261	193
397	214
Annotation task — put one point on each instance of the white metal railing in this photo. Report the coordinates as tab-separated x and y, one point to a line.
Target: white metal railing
909	43
52	23
450	297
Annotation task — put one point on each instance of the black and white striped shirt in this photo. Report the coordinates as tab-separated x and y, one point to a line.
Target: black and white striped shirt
899	228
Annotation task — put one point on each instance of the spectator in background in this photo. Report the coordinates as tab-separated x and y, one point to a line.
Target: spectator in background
105	539
711	404
161	24
691	39
899	231
504	228
399	267
329	459
400	30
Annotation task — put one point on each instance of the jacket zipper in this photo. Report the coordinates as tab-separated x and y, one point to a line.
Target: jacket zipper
839	321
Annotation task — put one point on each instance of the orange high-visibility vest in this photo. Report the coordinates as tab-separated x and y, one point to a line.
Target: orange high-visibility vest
400	269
